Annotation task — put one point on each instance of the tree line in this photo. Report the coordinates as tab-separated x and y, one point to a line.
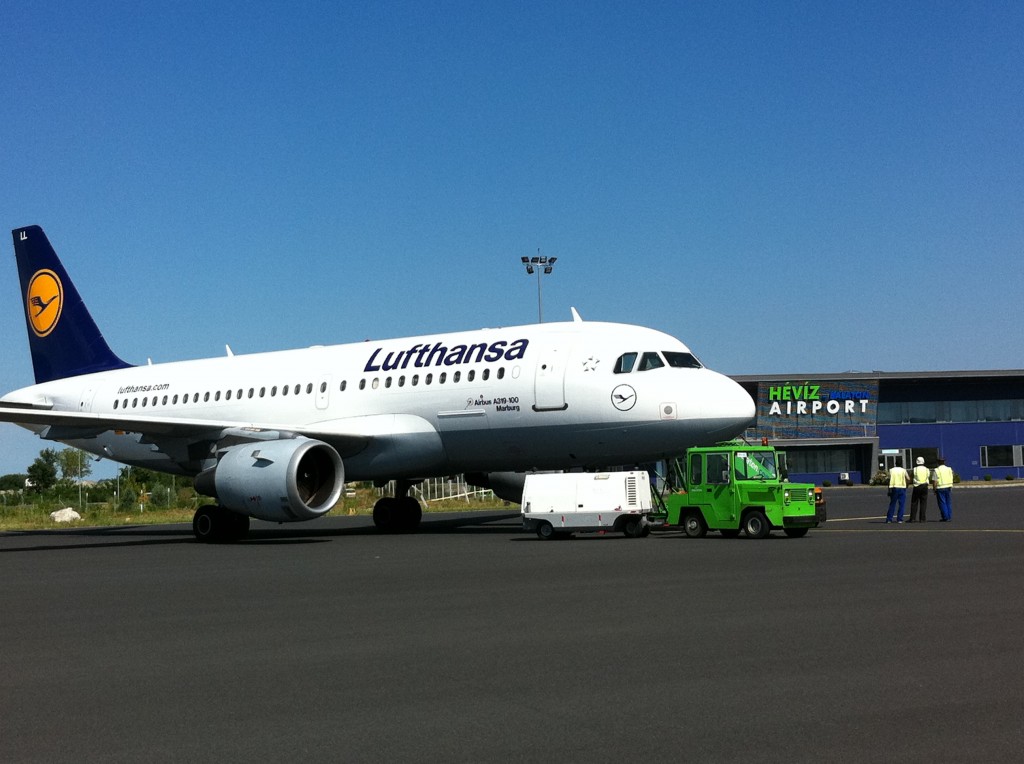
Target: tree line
61	476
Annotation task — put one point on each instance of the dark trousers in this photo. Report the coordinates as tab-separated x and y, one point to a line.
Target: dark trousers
918	502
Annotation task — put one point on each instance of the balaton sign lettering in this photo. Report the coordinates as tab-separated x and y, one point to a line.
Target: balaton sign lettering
420	356
810	399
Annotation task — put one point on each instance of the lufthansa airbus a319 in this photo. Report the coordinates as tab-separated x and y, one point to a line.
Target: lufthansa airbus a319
276	435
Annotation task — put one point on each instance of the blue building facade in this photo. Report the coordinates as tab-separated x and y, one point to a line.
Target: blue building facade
847	427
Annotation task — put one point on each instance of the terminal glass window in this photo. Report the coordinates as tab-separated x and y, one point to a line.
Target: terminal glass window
800	460
997	456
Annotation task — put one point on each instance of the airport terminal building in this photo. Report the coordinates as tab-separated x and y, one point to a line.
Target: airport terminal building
842	427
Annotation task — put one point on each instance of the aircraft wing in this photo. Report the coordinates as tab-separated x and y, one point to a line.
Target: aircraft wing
347	436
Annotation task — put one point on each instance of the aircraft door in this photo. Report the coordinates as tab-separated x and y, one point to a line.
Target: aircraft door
85	400
549	379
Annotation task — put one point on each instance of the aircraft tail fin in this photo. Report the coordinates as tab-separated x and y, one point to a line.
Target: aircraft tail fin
62	336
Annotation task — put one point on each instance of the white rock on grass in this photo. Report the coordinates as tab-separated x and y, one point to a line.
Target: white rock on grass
65	515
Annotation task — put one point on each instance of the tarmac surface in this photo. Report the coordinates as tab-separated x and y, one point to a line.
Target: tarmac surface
474	641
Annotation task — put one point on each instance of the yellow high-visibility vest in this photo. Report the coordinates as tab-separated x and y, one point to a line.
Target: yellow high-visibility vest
898	477
920	475
943	476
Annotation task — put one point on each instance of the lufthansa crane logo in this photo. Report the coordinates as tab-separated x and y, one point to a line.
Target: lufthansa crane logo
623	397
44	302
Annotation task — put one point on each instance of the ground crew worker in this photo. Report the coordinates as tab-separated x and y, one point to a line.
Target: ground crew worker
898	479
943	484
919	497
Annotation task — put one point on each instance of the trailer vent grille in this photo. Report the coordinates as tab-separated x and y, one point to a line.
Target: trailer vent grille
631	490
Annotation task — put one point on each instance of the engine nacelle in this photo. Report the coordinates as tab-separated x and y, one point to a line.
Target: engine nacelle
278	480
505	485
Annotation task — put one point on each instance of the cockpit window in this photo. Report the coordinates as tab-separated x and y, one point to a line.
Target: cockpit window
681	360
625	363
650	361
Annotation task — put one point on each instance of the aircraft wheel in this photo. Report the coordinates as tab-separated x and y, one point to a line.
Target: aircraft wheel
239	527
213	524
545	531
409	514
755	525
694	525
384	514
796	533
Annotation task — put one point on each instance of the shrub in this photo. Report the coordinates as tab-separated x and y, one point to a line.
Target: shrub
988	477
826	483
879	478
1009	477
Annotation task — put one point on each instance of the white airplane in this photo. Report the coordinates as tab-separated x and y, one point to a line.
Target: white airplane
276	435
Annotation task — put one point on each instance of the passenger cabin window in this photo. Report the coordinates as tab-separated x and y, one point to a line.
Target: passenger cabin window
650	361
624	364
681	360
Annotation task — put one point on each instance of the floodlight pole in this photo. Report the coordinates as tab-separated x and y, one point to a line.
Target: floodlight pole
538	263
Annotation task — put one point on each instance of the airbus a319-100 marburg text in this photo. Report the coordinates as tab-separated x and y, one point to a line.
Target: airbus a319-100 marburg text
276	435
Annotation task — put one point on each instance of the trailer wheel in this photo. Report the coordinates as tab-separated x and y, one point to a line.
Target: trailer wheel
755	525
694	525
545	531
796	533
632	528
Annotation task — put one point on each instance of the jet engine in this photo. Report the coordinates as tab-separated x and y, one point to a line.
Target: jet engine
278	480
505	485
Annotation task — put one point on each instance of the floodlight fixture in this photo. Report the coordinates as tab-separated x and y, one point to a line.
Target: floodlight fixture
540	264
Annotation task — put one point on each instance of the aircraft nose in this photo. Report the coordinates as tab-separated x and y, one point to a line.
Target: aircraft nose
730	408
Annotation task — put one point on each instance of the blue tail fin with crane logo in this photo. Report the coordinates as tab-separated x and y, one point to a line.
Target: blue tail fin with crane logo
62	336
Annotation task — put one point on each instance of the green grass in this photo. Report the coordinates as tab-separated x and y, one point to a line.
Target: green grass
31	517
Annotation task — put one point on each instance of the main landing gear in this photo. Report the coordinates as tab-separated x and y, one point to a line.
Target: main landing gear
401	514
213	524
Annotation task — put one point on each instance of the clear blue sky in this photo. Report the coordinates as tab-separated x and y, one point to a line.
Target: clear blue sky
788	187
